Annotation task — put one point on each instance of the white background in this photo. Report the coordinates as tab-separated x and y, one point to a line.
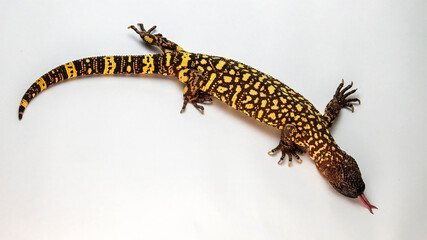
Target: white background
112	158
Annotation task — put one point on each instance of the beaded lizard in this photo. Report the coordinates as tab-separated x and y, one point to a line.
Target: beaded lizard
258	95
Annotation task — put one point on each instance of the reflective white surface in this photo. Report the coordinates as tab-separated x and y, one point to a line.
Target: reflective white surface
112	158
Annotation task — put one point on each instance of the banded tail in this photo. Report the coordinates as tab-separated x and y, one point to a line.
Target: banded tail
142	64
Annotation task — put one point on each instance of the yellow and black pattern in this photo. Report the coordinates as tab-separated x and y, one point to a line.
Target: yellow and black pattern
244	88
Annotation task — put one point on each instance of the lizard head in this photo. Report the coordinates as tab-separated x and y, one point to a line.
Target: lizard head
344	175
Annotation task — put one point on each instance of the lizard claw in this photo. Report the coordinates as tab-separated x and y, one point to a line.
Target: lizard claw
145	34
141	26
341	95
287	150
199	98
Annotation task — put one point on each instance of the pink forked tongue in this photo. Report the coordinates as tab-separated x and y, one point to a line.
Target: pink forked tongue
367	204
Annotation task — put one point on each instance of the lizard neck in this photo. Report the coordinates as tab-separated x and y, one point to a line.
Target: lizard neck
322	148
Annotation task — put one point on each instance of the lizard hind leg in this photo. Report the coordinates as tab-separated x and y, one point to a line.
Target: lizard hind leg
290	145
156	39
192	91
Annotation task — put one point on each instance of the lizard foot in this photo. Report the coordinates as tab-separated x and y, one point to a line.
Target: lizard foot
340	99
145	34
289	150
199	98
290	144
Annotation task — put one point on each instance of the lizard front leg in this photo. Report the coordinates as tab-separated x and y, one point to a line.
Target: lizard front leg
339	101
156	39
291	144
192	90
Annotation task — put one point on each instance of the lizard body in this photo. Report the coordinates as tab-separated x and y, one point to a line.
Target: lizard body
244	88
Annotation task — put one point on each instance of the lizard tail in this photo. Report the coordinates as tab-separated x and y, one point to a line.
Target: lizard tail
143	64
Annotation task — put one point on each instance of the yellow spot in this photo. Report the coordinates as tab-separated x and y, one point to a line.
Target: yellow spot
232	72
246	76
299	123
304	119
234	98
246	86
260	113
227	79
200	68
148	64
240	65
283	122
203	61
256	100
253	92
179	49
315	135
249	106
256	86
208	84
271	89
110	65
148	39
220	64
71	70
299	107
209	68
184	63
263	94
319	126
307	126
129	59
87	60
182	77
89	71
168	60
248	98
272	116
283	99
41	82
263	103
24	103
221	89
